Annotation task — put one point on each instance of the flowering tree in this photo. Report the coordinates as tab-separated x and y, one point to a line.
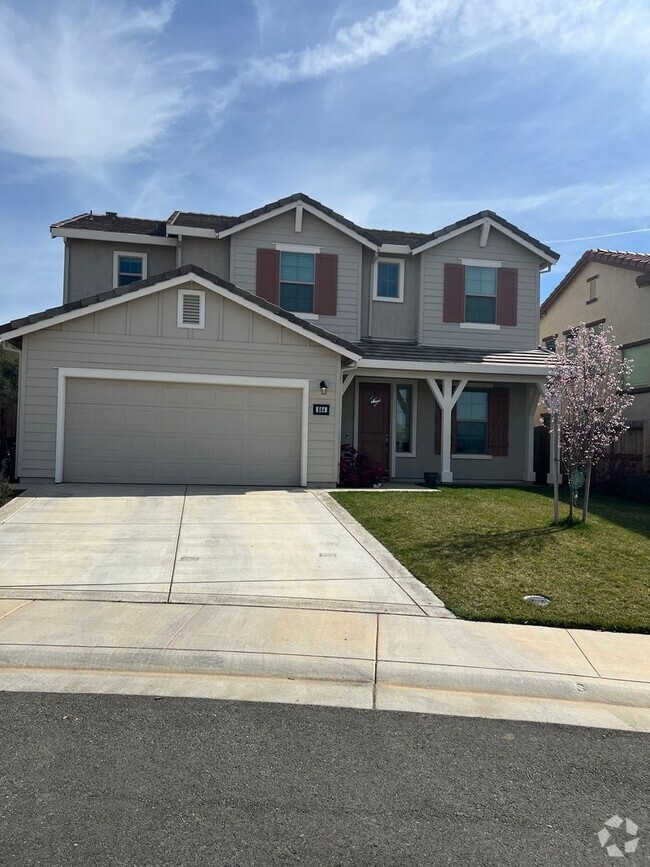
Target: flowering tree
587	396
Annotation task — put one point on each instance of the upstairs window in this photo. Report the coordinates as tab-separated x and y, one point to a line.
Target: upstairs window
551	343
481	295
472	422
389	280
128	268
297	275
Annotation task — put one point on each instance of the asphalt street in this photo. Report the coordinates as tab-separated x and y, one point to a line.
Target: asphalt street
134	781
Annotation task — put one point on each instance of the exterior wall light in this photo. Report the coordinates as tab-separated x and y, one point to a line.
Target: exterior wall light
323	387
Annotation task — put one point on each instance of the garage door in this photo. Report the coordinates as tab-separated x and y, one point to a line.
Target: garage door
150	432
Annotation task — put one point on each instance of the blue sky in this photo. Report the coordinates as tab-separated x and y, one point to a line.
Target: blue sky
405	114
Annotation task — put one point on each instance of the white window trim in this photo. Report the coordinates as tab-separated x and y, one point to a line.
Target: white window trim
197	293
297	248
65	373
462	457
481	263
400	285
393	421
130	254
480	326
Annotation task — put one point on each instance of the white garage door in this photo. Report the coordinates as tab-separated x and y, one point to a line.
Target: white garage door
159	432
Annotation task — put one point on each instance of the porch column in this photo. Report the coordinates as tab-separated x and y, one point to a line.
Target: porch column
446	400
532	400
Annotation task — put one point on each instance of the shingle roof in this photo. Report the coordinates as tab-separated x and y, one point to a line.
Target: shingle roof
619	258
221	222
392	351
184	270
111	222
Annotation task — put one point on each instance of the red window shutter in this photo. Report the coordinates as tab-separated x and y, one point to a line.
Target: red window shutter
453	308
507	296
326	283
267	284
498	421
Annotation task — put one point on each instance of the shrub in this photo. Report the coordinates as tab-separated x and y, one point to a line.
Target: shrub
6	493
359	471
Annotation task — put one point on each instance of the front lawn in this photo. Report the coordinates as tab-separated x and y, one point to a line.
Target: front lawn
482	549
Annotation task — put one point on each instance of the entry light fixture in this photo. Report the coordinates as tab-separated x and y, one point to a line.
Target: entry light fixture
323	387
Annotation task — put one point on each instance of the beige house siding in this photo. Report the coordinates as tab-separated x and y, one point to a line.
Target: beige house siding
619	301
314	233
90	264
143	335
499	248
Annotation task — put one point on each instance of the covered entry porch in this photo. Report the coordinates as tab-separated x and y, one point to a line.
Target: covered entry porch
470	422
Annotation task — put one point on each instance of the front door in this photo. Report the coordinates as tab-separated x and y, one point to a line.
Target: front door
374	422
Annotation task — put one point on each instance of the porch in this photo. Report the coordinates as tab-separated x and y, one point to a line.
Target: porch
470	423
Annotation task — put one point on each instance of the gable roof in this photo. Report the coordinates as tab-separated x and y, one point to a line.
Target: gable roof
482	217
618	258
178	276
228	224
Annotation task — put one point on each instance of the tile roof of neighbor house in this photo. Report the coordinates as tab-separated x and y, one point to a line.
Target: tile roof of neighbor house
619	258
52	312
220	222
392	351
643	279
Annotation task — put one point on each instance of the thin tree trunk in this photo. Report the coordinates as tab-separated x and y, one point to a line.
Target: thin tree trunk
585	496
556	471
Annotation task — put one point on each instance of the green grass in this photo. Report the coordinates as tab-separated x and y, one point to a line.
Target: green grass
482	549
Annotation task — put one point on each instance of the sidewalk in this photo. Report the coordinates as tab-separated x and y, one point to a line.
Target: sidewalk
311	656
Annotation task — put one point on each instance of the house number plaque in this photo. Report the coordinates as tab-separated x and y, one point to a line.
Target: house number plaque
321	409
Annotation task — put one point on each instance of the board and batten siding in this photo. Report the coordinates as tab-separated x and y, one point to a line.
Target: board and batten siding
500	248
143	335
314	233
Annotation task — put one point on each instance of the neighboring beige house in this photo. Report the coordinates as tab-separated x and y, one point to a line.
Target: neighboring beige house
607	288
246	349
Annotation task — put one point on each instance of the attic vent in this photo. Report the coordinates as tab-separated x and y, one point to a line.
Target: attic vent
191	308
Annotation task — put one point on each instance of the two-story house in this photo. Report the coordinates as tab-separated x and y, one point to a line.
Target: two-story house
246	349
607	288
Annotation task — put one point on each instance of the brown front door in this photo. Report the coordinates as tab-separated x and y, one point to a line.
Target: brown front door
374	422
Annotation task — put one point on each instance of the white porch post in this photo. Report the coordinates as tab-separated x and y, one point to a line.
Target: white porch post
532	399
446	400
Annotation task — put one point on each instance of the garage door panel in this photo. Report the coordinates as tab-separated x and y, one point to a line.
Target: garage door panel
175	433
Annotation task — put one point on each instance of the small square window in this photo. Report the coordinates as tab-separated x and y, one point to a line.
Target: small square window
128	268
480	295
389	280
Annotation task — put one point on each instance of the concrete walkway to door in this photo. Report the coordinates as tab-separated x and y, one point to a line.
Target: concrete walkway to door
282	548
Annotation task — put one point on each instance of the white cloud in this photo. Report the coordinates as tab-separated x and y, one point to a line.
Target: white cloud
458	30
83	81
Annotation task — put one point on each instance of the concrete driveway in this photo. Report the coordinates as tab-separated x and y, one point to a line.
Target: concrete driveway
288	548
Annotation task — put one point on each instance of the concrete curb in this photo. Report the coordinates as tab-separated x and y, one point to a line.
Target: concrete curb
421	677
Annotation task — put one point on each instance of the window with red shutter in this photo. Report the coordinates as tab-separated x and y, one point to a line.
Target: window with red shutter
267	278
507	296
453	308
326	284
498	421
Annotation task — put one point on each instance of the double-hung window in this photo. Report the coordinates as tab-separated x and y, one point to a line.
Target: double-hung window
297	272
480	295
389	280
471	422
129	268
